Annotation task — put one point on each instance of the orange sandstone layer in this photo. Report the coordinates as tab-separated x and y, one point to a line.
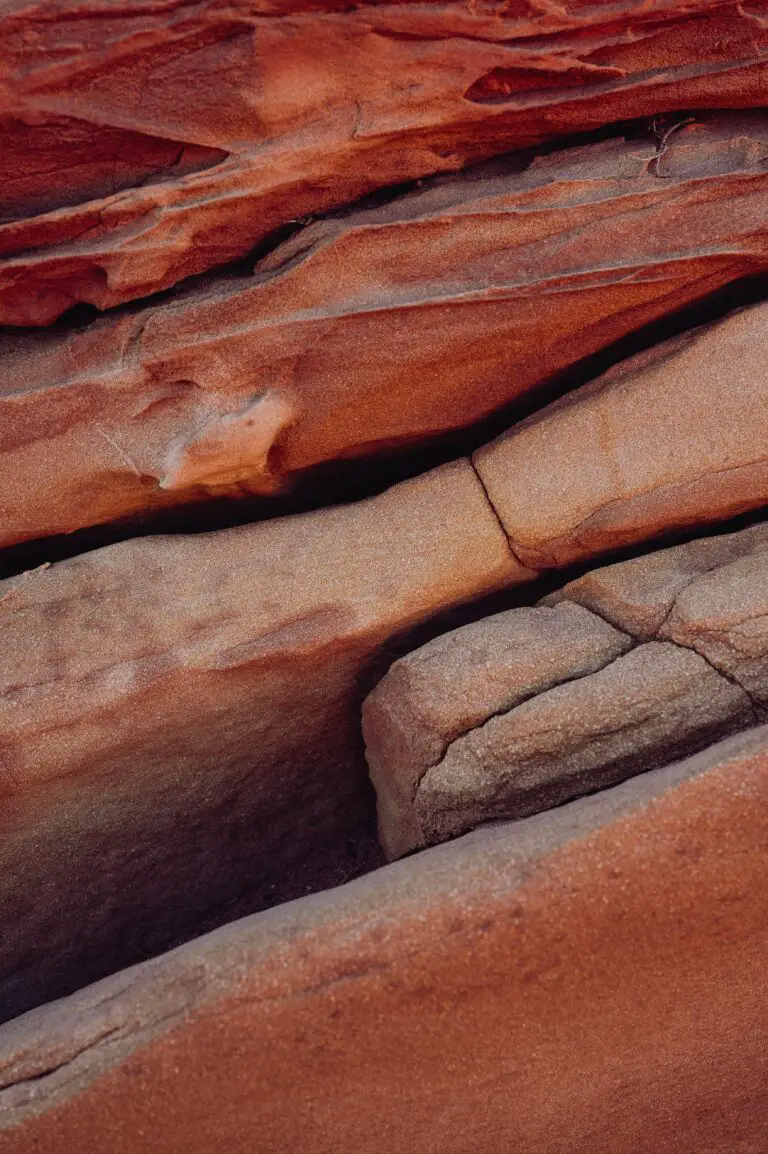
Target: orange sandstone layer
149	142
592	978
384	327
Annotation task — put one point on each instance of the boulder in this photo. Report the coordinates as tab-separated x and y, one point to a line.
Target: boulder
388	326
453	684
529	708
501	992
180	719
181	135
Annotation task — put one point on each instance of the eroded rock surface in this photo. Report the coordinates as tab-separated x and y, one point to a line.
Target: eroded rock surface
573	697
180	719
387	326
672	438
500	990
182	134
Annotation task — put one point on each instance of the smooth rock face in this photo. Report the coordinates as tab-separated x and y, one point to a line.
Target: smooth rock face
565	707
500	990
387	326
181	135
672	438
180	719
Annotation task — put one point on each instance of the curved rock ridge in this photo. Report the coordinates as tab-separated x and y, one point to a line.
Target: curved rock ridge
674	438
387	326
619	672
304	107
179	719
608	949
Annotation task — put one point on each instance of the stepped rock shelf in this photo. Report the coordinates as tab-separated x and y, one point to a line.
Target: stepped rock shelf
384	612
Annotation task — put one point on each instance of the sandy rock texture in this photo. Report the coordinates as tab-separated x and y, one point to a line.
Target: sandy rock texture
529	708
387	326
180	719
500	990
673	438
181	134
710	595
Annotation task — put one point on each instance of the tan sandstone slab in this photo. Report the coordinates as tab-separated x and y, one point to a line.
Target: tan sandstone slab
672	438
638	596
387	326
710	595
179	719
453	684
620	671
182	134
589	979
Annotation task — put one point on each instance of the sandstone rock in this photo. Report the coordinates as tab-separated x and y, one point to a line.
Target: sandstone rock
180	135
453	684
675	437
477	289
179	719
709	595
643	710
494	994
639	595
529	708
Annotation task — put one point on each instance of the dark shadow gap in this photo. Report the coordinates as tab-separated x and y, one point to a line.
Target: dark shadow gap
550	580
350	480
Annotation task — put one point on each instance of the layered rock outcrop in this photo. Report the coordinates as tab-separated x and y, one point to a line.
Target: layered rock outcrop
500	990
168	668
181	134
336	247
180	719
524	710
479	289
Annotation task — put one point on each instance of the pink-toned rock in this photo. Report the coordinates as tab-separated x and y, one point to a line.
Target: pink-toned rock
504	992
672	438
529	708
179	719
387	326
144	143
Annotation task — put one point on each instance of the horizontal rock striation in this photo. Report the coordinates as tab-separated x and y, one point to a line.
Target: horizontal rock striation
500	990
179	719
528	708
182	134
387	326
